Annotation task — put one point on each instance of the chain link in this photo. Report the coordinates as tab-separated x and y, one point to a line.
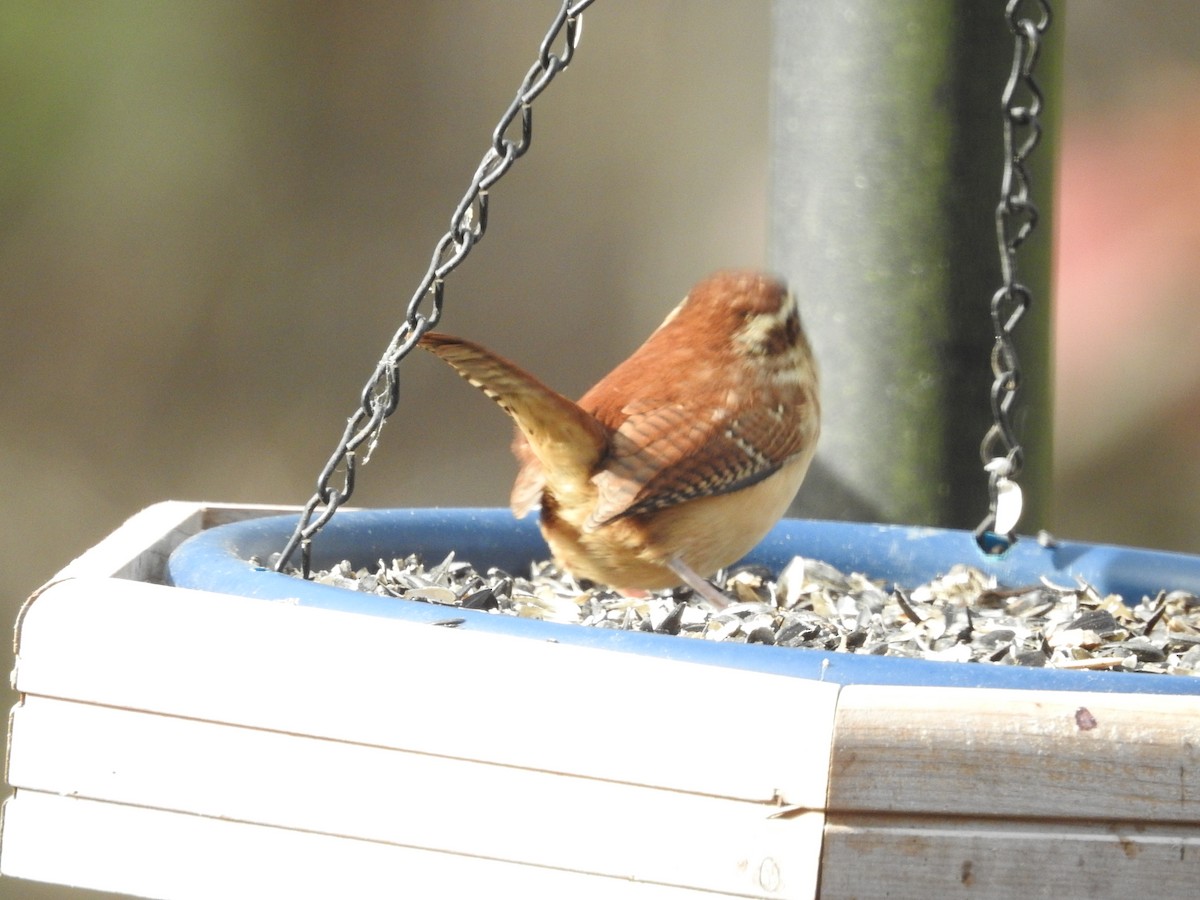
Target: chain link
468	223
1016	218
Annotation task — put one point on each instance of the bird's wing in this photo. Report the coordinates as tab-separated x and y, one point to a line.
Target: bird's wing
664	454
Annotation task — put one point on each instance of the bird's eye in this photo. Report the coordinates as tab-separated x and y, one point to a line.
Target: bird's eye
793	327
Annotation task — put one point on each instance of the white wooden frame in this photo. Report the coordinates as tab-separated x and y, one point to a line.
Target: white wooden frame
177	743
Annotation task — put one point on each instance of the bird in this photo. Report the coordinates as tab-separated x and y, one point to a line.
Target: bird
681	459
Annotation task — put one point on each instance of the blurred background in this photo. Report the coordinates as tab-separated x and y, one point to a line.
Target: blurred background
212	216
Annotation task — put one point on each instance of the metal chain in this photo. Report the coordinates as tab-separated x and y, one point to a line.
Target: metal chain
468	223
1016	218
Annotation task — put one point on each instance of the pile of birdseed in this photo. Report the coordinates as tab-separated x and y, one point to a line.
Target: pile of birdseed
962	616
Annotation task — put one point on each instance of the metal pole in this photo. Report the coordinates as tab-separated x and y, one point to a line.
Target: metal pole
887	157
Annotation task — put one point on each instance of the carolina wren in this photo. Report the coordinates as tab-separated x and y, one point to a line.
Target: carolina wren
682	458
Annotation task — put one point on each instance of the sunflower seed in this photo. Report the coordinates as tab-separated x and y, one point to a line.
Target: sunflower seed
962	615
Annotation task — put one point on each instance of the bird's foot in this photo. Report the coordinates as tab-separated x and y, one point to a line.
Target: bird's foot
698	583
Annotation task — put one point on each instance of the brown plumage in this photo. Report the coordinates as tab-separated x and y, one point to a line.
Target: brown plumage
679	460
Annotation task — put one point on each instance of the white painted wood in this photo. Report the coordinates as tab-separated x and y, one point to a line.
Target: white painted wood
470	808
1029	754
223	513
151	853
545	706
254	731
905	858
139	548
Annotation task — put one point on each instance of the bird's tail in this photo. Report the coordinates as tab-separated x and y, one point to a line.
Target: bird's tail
567	441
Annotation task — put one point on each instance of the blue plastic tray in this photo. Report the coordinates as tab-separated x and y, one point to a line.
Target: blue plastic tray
216	560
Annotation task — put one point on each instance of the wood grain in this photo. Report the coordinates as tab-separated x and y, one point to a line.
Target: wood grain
916	858
1031	754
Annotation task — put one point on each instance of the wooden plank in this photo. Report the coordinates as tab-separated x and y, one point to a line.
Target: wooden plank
471	808
545	706
907	858
224	513
1074	755
139	548
152	853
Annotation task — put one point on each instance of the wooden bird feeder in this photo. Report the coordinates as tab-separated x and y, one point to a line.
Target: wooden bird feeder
190	741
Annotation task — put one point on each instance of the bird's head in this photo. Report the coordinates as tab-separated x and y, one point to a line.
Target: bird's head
752	314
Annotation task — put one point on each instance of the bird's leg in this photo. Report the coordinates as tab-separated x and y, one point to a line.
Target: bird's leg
698	583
